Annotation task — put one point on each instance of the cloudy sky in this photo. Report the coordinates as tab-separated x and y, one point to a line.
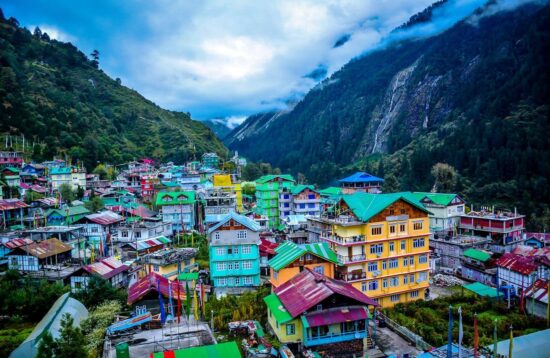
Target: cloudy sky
224	58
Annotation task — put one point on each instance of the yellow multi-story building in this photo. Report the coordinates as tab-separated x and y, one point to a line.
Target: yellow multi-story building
229	182
382	240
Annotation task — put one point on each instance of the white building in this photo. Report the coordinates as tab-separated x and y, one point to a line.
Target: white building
445	209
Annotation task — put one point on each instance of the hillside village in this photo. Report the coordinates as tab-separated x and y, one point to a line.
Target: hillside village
330	268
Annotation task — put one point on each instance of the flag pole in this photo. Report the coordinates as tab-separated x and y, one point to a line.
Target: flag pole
460	332
495	342
511	344
476	336
450	334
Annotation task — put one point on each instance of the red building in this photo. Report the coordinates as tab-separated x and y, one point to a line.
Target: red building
11	159
505	229
147	186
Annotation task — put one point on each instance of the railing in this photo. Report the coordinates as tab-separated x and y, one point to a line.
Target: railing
353	276
354	258
406	333
491	228
358	239
334	337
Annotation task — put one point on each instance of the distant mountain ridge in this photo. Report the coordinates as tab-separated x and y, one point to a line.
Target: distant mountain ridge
476	96
54	95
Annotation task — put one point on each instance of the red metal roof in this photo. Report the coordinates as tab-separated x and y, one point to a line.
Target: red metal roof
336	315
105	218
106	268
10	204
309	288
12	244
267	247
517	263
150	283
539	291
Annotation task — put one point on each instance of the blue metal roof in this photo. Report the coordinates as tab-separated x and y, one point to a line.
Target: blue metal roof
360	177
246	221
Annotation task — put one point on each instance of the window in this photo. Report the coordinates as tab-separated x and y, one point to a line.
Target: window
308	257
394	298
247	265
417	225
237	281
275	275
405	279
405	261
392	229
376	249
290	329
236	265
411	278
220	251
246	250
217	236
156	268
384	265
124	233
319	269
319	307
394	281
230	251
460	208
411	260
230	266
138	234
422	276
394	263
414	294
418	243
247	280
363	286
402	227
403	244
385	283
373	266
241	234
422	259
376	230
392	246
236	250
222	282
302	206
373	285
286	205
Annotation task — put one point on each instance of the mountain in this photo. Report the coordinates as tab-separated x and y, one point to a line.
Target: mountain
476	96
218	126
56	97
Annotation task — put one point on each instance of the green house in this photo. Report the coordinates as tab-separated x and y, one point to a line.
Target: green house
268	188
65	216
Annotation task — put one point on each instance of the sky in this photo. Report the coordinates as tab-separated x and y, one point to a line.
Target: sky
226	59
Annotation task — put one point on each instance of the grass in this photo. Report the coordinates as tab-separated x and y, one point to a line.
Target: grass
12	335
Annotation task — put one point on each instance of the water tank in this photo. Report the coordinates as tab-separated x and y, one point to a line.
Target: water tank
122	350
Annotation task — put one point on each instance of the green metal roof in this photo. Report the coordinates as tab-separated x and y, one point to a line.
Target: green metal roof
221	350
289	251
482	290
63	170
331	190
477	254
163	239
188	276
70	211
437	198
175	197
267	178
277	309
301	187
366	205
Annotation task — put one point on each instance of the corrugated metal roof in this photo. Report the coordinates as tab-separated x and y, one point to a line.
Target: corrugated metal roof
106	268
241	219
538	291
151	283
289	251
360	177
366	205
146	244
335	315
308	288
105	218
10	204
47	248
13	243
517	263
477	254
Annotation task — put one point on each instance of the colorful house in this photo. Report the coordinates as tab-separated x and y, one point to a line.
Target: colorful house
177	208
299	200
65	216
9	159
36	256
382	240
234	254
108	269
445	209
75	177
229	183
170	262
361	182
268	188
291	259
210	160
316	311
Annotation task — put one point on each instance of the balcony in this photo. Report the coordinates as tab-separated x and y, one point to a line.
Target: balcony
350	259
334	338
350	277
351	240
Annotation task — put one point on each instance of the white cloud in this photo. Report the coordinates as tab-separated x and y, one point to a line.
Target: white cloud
54	33
221	59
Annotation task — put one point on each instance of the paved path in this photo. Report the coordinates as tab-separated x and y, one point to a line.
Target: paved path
390	342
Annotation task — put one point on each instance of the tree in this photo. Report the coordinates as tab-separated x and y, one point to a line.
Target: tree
249	189
71	342
47	347
66	192
94	204
391	184
37	32
98	291
80	192
95	58
445	177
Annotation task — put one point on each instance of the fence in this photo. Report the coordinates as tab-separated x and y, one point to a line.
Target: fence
406	333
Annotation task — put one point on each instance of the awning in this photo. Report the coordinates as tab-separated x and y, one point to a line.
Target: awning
338	315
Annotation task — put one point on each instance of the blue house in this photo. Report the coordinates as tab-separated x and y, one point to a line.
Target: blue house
361	181
234	254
